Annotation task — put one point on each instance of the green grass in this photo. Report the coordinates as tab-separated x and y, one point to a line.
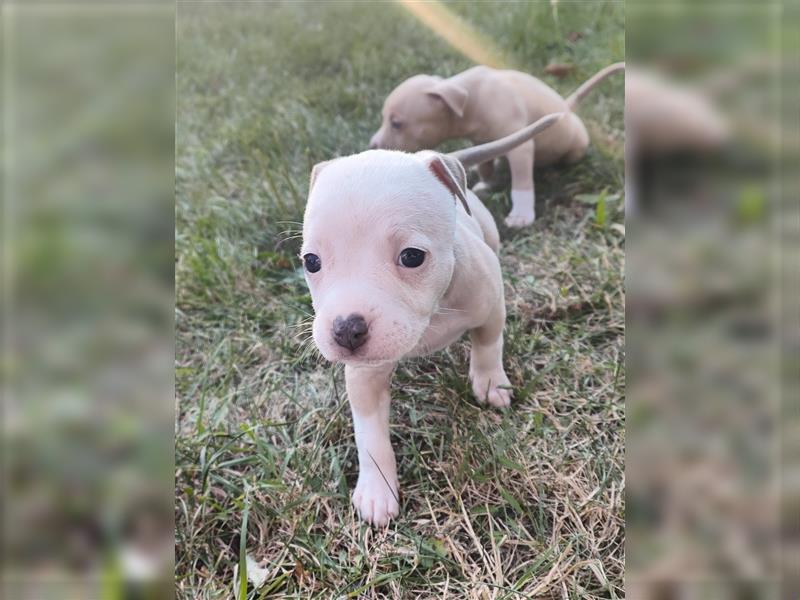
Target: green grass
527	503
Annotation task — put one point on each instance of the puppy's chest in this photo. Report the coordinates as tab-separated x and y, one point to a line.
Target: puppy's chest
445	328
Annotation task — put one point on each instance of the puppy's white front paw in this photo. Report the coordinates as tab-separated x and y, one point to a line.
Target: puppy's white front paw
493	387
517	219
375	501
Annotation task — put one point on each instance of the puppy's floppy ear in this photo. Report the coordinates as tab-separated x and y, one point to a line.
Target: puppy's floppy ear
454	96
450	172
316	170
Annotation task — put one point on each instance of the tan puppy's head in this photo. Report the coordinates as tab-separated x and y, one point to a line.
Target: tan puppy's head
378	254
418	114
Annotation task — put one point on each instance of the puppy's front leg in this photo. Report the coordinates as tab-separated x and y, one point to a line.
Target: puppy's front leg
376	496
520	161
489	380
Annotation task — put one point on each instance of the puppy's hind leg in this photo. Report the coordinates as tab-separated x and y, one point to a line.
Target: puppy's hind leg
486	170
520	161
376	496
489	381
484	186
580	141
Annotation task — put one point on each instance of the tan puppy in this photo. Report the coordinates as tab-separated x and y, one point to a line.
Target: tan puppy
484	104
665	116
400	258
662	116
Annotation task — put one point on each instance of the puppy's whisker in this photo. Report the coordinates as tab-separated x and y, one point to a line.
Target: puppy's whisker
303	337
307	331
307	342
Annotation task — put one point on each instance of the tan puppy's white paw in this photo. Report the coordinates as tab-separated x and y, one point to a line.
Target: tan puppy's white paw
523	211
516	220
493	388
374	500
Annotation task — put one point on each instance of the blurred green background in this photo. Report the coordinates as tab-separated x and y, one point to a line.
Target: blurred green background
88	228
706	338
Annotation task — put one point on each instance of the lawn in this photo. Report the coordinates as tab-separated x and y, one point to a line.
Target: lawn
523	503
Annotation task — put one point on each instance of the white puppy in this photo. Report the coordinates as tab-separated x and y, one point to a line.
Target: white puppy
485	104
396	269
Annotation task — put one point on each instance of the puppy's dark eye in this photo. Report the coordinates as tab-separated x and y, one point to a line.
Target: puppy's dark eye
312	263
412	257
395	123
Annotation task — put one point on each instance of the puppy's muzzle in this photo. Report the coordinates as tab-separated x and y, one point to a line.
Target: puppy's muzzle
350	332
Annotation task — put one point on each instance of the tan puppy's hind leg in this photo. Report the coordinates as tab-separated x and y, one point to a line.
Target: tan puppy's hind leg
520	160
377	492
484	186
489	381
486	170
580	141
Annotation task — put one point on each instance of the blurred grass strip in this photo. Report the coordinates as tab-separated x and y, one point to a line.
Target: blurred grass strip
88	227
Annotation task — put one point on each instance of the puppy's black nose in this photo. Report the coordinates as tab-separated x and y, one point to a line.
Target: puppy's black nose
350	332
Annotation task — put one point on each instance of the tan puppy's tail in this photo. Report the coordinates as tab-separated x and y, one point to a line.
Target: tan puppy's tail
592	82
476	155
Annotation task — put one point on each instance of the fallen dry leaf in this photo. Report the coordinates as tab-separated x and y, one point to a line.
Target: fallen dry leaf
559	69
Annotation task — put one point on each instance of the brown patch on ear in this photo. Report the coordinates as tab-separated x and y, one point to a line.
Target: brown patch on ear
450	172
316	170
454	96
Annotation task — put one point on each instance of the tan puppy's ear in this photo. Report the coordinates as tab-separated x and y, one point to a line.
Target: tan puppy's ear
454	96
449	171
316	171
